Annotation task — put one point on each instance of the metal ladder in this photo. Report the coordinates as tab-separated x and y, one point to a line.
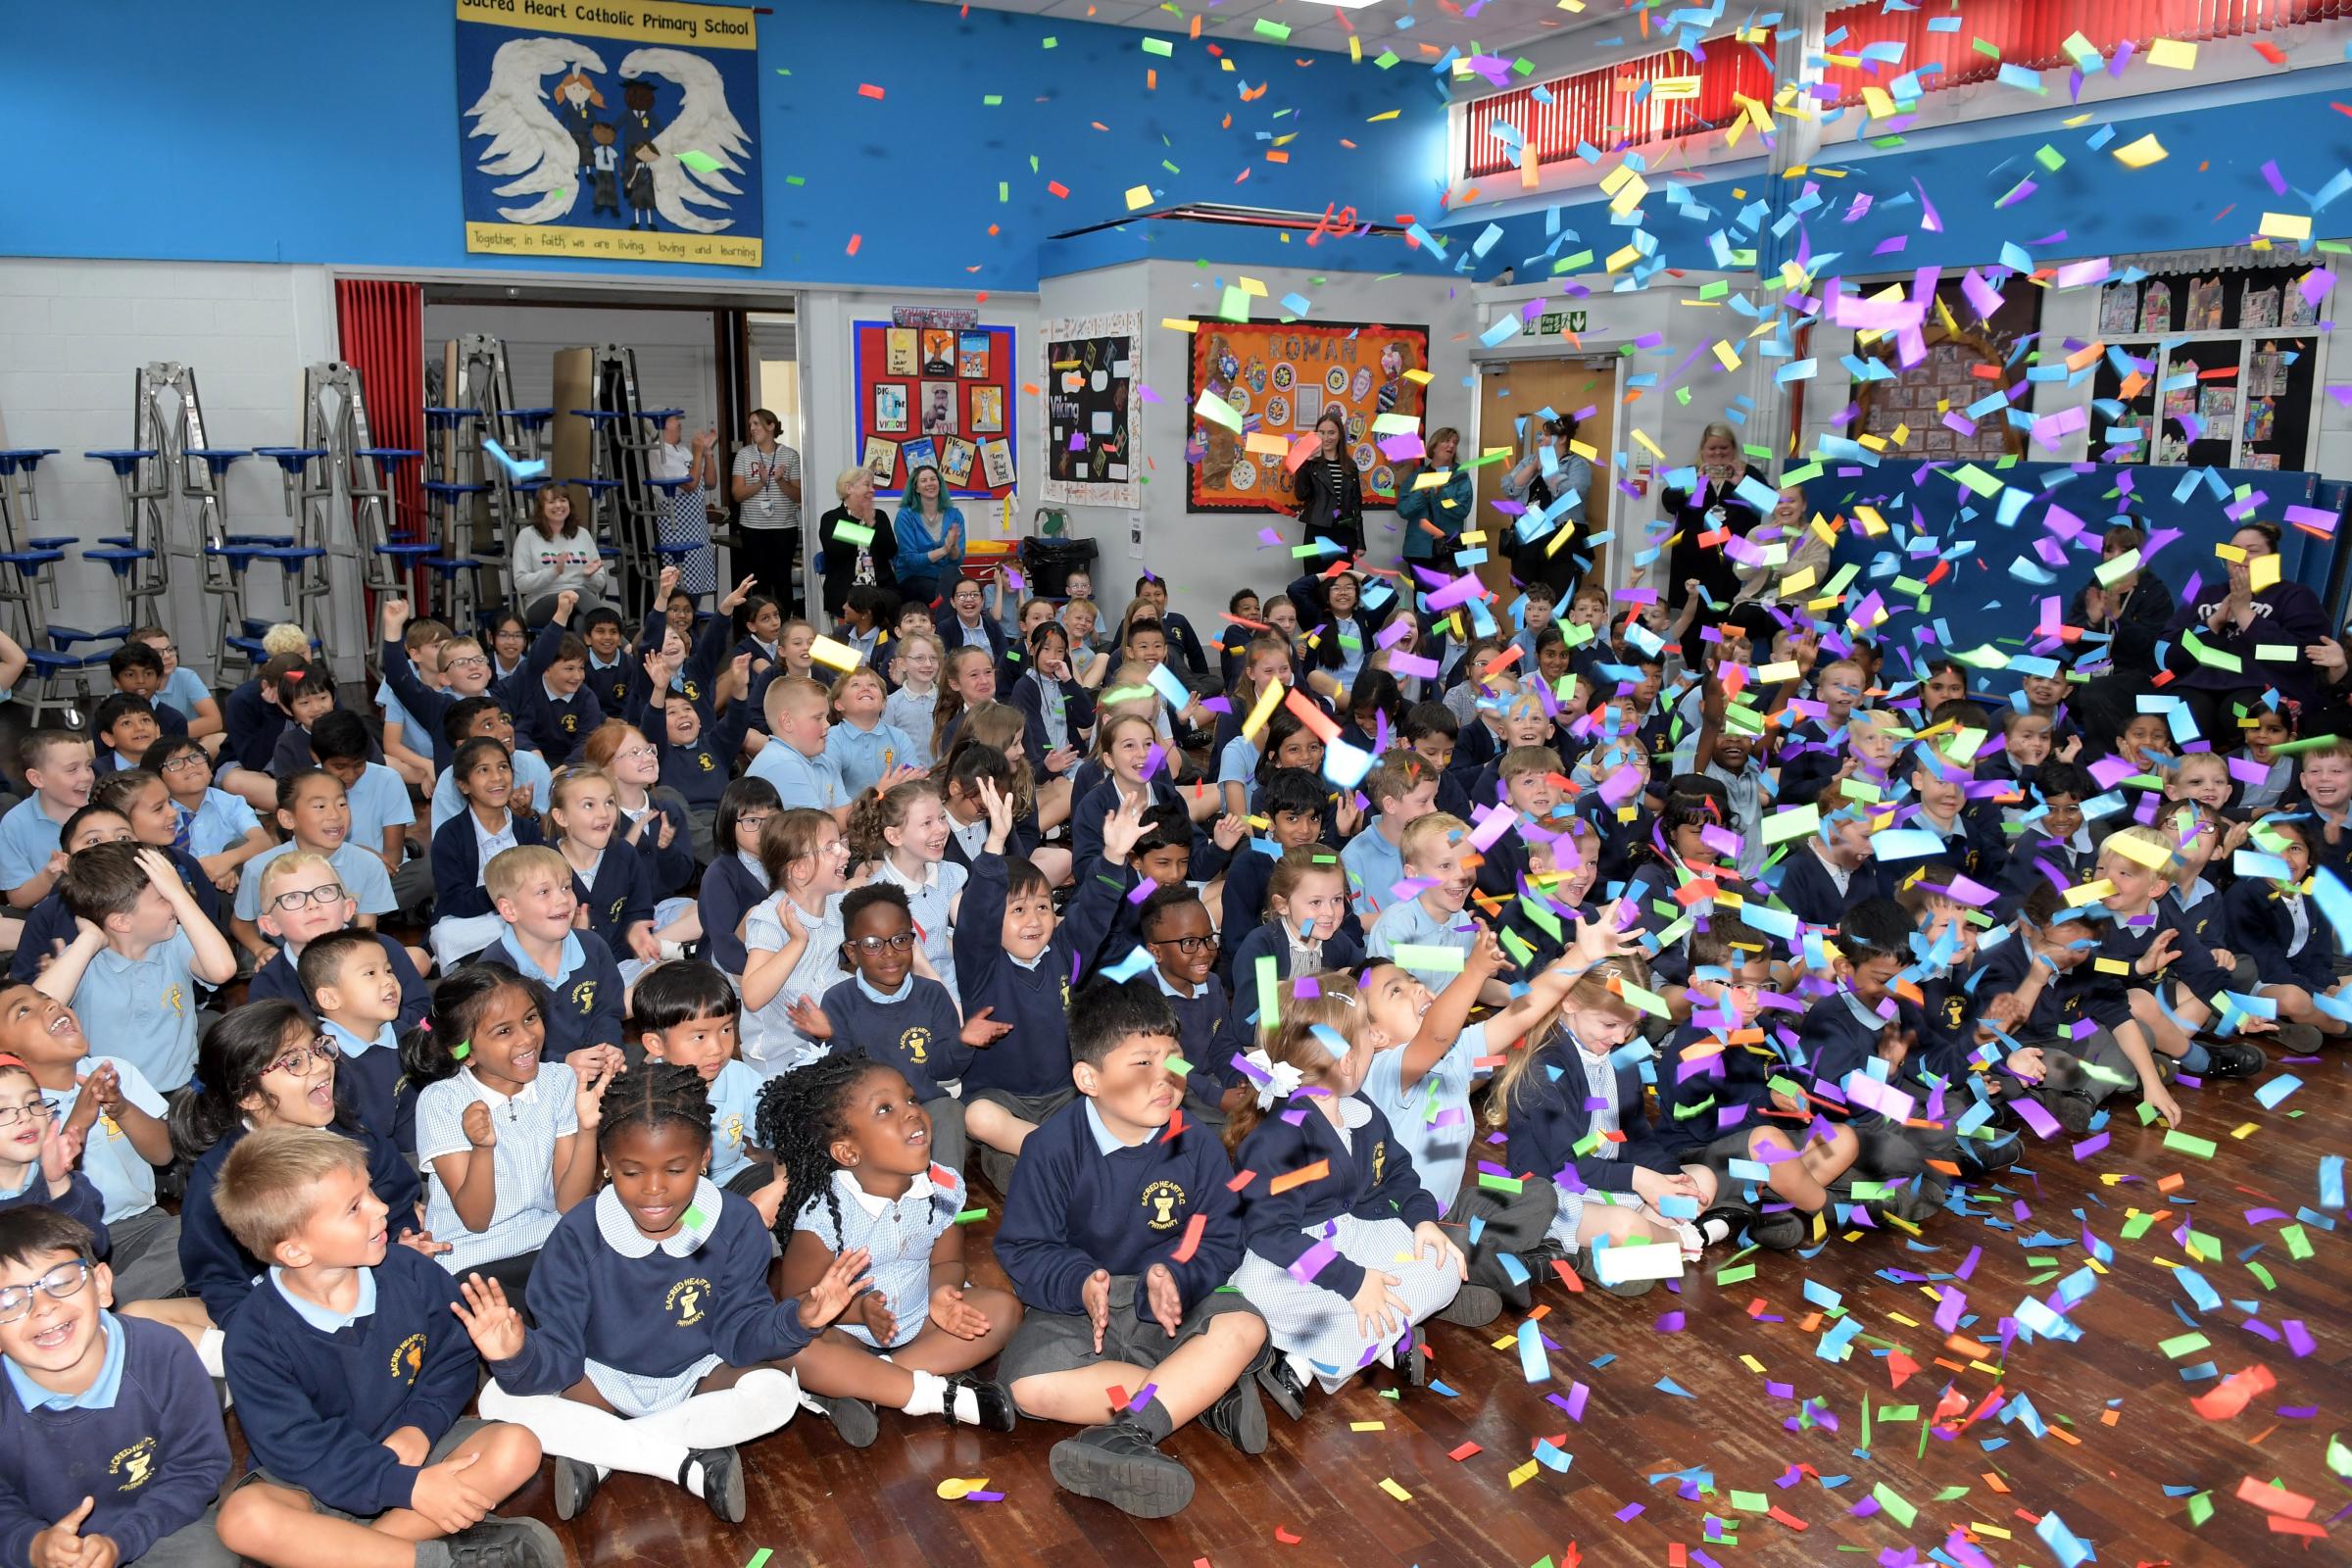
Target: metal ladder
625	506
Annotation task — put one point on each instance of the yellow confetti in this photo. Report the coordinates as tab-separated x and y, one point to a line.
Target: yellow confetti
1389	1484
2141	153
1138	196
834	655
1524	1473
2172	55
954	1489
2285	225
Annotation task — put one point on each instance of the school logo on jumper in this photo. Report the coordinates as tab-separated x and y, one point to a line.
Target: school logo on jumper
692	691
1380	1161
570	723
709	766
408	1358
730	1132
1161	1201
618	904
685	1302
583	997
134	1464
916	1043
1954	1011
175	997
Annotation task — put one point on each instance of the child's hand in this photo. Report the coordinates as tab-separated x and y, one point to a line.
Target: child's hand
1229	831
2159	1099
2161	952
564	601
1429	1237
1122	830
955	1315
62	1546
665	833
103	1088
658	669
643	944
2071	750
55	869
60	1150
422	1242
666	585
736	596
1061	759
409	1445
904	773
1094	1295
394	609
1165	1301
1598	939
769	1199
1379	1309
2027	1062
480	1131
523	801
872	1310
448	1499
842	1283
1486	954
597	1066
1653	1185
810	1018
999	807
982	1030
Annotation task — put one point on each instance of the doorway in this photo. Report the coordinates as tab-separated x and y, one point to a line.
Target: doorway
1512	395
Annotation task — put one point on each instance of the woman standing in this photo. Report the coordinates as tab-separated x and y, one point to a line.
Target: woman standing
929	531
1535	560
865	558
1715	507
2129	615
555	553
2234	618
1330	492
686	509
767	487
1433	519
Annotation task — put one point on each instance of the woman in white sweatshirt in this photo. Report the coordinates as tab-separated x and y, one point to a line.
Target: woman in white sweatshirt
555	552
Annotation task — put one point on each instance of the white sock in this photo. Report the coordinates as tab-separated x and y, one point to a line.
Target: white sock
930	1396
569	1430
761	1400
208	1351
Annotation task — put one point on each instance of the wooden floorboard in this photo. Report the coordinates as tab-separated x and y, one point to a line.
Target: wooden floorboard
815	1502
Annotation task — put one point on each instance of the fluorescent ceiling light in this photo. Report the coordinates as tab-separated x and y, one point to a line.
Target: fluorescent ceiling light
1349	5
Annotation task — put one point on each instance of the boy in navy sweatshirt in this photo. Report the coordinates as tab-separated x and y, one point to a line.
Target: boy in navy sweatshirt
1864	1022
350	1371
554	710
1183	945
111	1444
532	888
1116	1237
897	1016
1015	962
1829	871
355	991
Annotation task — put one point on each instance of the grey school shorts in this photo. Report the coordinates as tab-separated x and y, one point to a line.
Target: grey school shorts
1031	1108
465	1428
1047	1343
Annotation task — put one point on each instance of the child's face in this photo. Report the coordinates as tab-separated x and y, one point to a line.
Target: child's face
348	771
566	675
2044	691
1317	905
1443	866
828	869
2297	855
298	1089
1300	749
603	640
1538	613
542	908
2196	837
863	698
1147	647
1944	686
2030	740
1598	1030
365	987
319	815
1245	608
589	814
797	643
468	669
1131	1084
1532	793
748	827
345	1228
1655	619
312	701
508	1035
509	642
54	1338
919	663
681	721
151	815
2269	730
1294	830
2061	941
2327	780
1841	691
1949	914
706	1043
1167	865
976	681
39	1029
1028	922
166	650
766	622
1552	662
1437	750
2135	886
488	781
2145	736
1394	1003
1731	749
306	904
1588	609
1849	843
1284	619
1129	750
679	612
100	827
880	946
1871	744
1940	794
655	1170
139	682
133	733
1183	944
26	1115
887	1128
1417	802
1270	668
966	602
1874	974
1526	725
802	726
188	774
1748	982
2205	779
924	833
1689	841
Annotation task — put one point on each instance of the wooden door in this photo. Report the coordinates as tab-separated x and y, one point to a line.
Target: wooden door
1511	397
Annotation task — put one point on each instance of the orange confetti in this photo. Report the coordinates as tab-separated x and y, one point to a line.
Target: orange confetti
866	89
1058	188
856	240
1300	1178
1280	1534
1241	1181
2273	1500
1192	1229
2234	1394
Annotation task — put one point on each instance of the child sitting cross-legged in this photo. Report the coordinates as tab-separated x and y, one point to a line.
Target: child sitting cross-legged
1116	1237
857	1154
349	1372
657	1345
685	1013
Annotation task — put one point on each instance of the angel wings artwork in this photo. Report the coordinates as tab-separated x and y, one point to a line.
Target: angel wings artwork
543	108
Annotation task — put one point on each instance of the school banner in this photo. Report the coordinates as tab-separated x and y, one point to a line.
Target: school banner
622	130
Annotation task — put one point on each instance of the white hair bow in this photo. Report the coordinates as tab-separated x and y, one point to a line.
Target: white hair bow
1277	1080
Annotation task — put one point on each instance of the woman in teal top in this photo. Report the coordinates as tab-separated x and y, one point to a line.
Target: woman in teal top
1447	508
930	535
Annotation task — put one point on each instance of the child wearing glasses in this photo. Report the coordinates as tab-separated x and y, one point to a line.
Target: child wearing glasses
1183	945
899	1018
39	1154
221	829
116	1452
301	900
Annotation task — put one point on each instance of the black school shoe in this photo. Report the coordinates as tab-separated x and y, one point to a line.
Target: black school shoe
1280	1384
1239	1417
854	1419
2074	1110
2234	1058
995	1404
1784	1232
498	1542
576	1481
722	1481
1118	1464
1473	1306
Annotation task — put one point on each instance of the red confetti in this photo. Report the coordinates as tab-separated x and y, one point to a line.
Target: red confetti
1192	1229
866	89
1286	1537
1058	188
1464	1452
2271	52
856	240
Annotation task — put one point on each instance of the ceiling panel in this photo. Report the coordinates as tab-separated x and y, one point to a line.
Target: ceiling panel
1494	24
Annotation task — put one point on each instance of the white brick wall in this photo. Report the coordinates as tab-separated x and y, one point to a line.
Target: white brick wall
73	334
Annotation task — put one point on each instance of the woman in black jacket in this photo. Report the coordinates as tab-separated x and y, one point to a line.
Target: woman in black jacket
1714	507
866	555
1331	494
2251	625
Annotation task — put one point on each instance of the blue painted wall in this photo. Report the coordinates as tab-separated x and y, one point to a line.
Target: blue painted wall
262	130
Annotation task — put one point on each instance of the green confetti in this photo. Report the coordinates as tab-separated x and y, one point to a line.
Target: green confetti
1275	30
457	1052
1052	43
796	179
972	1214
1160	47
700	162
1388	57
991	100
2200	1508
696	1218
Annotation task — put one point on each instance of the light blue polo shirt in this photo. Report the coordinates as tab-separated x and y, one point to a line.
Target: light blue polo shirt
1374	867
99	1395
184	689
530	770
1433	1119
120	1172
379	800
1406	924
28	838
144	1009
362	874
734	1118
799	781
414	736
863	756
325	1319
220	821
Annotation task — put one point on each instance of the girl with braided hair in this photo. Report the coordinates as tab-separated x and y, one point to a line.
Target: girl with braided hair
658	1346
855	1146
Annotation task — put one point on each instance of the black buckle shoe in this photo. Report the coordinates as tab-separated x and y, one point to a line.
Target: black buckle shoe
722	1481
1115	1463
576	1481
996	1403
1281	1385
1239	1416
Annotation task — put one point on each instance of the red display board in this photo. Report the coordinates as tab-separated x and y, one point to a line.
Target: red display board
940	394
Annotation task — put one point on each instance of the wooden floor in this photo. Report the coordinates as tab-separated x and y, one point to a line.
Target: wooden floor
1650	1476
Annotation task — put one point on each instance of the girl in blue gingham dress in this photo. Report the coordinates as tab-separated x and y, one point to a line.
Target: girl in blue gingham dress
855	1147
1344	1264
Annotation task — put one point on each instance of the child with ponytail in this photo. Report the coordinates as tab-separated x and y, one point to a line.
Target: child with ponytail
902	835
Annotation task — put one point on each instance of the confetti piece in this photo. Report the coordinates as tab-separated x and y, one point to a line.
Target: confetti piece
1316	1173
954	1489
703	163
2141	153
1193	1229
866	89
